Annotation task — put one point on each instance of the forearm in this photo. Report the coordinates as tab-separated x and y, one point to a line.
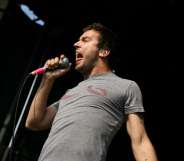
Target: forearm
38	106
144	151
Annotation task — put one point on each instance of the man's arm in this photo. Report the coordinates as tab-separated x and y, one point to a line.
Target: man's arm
40	116
142	147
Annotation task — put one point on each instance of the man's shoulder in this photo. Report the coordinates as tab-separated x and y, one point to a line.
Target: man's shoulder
122	79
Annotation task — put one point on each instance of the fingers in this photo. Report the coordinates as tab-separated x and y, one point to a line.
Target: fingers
52	63
62	56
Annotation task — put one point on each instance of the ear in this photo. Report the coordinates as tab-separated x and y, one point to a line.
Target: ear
104	53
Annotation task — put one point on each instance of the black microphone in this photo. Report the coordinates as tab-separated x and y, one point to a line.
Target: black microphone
63	64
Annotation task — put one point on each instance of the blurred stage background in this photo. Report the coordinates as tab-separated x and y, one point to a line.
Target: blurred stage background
149	53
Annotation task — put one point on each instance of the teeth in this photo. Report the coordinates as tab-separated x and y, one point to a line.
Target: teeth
78	55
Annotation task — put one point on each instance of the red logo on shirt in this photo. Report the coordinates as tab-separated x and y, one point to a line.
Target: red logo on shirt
97	91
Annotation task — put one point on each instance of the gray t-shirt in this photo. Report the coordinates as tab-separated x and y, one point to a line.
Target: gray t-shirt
88	117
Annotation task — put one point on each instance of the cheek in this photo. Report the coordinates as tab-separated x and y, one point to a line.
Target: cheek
90	47
91	55
91	52
91	59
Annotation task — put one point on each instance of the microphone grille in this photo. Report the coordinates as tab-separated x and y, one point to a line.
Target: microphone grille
64	63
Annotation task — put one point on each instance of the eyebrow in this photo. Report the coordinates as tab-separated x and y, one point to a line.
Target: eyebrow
84	37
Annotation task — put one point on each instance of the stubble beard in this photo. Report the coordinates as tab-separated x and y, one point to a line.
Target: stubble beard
86	66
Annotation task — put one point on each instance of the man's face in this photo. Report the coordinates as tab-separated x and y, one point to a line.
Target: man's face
87	51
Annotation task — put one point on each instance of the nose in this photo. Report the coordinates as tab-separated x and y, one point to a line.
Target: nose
76	45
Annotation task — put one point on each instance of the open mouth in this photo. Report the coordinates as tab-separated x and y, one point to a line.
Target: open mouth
79	57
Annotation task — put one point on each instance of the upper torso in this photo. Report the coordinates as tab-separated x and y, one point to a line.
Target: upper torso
88	117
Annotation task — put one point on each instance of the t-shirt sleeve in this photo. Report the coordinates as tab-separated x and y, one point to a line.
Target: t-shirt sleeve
55	105
133	99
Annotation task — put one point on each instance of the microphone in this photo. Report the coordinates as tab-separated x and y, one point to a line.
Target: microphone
63	64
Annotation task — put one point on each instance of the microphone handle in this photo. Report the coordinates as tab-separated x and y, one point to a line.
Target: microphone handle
62	65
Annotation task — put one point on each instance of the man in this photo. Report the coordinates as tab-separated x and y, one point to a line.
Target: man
84	121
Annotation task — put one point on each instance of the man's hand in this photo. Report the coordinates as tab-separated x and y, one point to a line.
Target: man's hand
53	64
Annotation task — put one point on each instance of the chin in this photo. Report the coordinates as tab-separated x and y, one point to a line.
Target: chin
78	68
81	69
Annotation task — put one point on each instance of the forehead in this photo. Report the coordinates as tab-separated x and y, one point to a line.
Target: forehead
90	34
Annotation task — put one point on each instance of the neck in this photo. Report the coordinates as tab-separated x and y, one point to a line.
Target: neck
100	69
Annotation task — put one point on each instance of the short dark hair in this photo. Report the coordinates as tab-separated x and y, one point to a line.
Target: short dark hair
107	37
107	40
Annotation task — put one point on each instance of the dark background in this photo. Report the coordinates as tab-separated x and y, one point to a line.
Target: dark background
150	50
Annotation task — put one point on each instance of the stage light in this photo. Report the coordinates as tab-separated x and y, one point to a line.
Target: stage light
32	16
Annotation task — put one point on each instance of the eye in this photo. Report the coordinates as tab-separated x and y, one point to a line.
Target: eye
85	39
